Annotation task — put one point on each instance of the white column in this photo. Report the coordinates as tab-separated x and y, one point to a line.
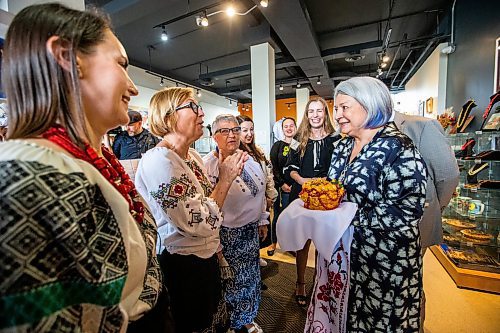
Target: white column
263	93
302	97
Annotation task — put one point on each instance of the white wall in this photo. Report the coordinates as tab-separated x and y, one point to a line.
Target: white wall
147	85
428	81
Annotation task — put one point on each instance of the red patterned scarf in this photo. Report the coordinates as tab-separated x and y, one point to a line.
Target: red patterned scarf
108	166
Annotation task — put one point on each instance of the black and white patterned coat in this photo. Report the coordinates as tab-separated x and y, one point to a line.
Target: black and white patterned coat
387	180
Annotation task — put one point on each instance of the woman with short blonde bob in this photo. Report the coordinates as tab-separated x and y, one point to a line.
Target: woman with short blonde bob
187	210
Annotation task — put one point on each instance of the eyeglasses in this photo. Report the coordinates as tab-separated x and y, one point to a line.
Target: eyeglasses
225	131
191	105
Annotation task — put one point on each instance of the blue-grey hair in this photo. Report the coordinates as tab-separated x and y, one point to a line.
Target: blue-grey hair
373	95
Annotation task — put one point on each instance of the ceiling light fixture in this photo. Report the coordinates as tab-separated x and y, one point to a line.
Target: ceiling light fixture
230	11
264	3
298	84
319	80
161	82
383	65
385	58
202	20
164	36
281	87
198	93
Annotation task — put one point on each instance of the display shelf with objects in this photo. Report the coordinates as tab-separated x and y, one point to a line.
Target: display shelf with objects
470	250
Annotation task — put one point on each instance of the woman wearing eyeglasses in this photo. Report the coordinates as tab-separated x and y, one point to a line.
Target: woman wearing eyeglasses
245	217
172	179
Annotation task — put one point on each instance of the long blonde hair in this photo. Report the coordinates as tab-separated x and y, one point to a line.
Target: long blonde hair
304	131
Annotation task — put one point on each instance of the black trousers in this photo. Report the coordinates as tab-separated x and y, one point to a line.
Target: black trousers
195	290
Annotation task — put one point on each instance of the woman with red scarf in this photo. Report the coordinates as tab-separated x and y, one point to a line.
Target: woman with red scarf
77	244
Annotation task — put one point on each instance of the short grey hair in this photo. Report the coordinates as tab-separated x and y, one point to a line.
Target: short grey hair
373	95
220	118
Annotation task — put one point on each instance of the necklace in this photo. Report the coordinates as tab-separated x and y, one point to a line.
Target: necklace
464	113
475	170
109	167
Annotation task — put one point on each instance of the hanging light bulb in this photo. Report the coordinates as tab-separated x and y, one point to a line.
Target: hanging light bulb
298	84
230	11
164	36
319	80
264	3
198	93
281	87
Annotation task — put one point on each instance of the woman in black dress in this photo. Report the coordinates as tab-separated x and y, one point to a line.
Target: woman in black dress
279	157
309	157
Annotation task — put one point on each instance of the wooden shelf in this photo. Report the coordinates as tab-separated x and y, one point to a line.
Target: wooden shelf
467	278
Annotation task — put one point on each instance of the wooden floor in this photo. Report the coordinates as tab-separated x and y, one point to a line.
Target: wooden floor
448	309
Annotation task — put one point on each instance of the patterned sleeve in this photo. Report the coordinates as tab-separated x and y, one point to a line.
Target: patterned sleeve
168	185
404	183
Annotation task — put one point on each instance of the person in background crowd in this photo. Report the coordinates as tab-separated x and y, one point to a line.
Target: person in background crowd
385	175
247	143
279	156
135	141
62	195
3	122
442	179
245	219
187	209
309	157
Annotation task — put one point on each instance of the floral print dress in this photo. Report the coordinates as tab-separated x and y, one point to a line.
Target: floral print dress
387	179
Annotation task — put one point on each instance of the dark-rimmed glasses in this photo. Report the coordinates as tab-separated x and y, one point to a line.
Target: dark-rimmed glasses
225	131
191	105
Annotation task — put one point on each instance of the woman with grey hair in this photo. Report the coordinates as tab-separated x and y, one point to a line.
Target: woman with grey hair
385	175
245	219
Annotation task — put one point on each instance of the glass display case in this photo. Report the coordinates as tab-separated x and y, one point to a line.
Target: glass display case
470	250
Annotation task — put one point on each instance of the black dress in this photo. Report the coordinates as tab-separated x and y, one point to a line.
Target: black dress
314	163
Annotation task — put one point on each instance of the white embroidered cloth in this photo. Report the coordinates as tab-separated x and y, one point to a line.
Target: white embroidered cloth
297	224
332	235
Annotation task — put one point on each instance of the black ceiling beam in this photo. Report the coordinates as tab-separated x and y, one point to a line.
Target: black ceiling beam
353	26
291	22
350	48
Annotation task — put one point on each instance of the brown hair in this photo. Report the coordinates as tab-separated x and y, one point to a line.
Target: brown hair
304	130
40	93
251	148
162	115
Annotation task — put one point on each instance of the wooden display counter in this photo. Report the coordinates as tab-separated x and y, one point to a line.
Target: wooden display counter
467	278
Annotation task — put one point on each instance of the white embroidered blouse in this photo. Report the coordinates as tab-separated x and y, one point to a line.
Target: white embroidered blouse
245	201
177	192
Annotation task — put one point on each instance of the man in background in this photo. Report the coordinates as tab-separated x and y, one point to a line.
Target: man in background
442	180
135	141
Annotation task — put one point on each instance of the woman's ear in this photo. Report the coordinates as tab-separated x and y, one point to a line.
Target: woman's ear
61	50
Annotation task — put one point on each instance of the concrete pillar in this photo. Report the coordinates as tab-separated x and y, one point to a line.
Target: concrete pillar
263	94
302	97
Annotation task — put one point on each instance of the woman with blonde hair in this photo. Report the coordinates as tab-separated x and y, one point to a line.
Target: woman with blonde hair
187	209
309	157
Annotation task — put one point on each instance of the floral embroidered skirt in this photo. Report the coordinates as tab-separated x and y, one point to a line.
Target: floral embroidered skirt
240	247
327	312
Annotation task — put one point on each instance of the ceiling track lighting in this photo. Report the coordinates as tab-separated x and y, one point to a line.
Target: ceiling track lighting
383	65
162	82
281	87
198	93
298	84
319	80
201	17
385	58
164	36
